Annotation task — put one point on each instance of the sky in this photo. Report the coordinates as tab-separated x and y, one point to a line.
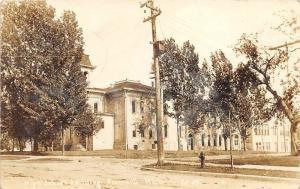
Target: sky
118	41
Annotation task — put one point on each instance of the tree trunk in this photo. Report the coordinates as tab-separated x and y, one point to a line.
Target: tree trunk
62	141
86	142
178	134
35	145
293	132
230	143
291	117
231	158
225	143
20	145
244	141
31	145
13	145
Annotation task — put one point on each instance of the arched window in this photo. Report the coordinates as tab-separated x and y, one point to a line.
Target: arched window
236	140
208	140
142	106
203	142
166	131
215	140
133	106
220	140
150	133
95	107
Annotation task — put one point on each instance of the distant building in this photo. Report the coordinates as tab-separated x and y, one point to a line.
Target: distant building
273	136
126	109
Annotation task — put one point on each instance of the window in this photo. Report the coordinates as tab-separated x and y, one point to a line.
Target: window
134	133
142	133
203	137
215	140
133	106
102	124
135	147
165	109
255	131
95	107
166	131
236	140
153	146
142	106
150	133
208	140
220	141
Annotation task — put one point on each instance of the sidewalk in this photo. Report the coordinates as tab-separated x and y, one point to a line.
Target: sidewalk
226	175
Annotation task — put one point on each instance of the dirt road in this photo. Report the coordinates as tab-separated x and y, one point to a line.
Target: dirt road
95	172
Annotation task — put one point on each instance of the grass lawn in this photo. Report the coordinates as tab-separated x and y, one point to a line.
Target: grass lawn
133	154
290	161
258	172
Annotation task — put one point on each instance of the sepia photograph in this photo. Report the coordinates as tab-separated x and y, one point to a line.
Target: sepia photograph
150	94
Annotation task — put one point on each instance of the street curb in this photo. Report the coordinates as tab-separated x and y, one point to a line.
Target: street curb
226	175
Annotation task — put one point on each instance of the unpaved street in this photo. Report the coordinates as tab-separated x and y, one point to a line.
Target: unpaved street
95	172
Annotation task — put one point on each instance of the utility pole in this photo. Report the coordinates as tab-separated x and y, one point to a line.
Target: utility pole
159	108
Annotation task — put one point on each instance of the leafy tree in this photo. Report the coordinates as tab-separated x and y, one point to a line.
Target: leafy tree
43	86
196	80
259	66
222	95
251	105
172	78
183	82
233	102
25	31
